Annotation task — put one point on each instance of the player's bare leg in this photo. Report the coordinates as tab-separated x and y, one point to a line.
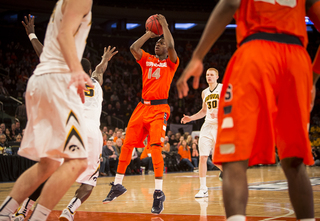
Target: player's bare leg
81	195
300	190
30	180
27	183
235	187
60	181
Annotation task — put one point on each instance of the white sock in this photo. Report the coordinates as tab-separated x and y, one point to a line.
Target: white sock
9	206
26	206
40	213
74	204
237	218
118	179
203	183
313	219
158	184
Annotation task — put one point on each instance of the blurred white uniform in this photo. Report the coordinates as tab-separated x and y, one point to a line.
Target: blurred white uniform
92	113
56	127
208	132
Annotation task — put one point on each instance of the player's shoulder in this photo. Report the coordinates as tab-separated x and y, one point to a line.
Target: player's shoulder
206	90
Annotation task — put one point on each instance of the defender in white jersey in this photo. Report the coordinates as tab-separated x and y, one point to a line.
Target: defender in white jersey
92	113
208	133
55	129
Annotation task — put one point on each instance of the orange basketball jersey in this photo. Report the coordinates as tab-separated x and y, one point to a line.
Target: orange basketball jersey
157	76
272	16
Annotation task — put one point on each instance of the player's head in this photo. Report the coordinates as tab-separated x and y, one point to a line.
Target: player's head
212	75
86	65
161	47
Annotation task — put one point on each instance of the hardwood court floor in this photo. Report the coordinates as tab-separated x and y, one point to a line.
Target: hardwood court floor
268	198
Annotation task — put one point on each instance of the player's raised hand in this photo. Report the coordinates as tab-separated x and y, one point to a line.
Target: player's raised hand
28	24
79	79
152	35
162	20
194	68
185	119
108	53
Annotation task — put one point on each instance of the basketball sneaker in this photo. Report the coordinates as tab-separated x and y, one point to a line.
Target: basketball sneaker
202	193
220	176
18	217
66	215
158	199
116	191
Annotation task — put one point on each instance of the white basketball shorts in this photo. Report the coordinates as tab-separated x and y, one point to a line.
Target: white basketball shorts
207	140
56	127
95	143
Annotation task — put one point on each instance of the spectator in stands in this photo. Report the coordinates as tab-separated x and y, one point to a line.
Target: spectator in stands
316	155
118	145
18	128
18	138
134	166
110	134
189	140
195	154
8	135
13	130
114	97
3	127
109	159
1	131
105	129
21	114
172	140
109	111
118	136
118	111
104	138
146	160
3	141
185	159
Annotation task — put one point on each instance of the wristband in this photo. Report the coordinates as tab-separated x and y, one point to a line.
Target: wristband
32	36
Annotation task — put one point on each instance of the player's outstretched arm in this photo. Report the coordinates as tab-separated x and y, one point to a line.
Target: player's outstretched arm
135	48
313	11
168	38
220	17
102	66
200	114
28	24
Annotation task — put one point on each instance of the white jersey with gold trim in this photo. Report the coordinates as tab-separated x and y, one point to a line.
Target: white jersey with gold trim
93	102
51	59
212	100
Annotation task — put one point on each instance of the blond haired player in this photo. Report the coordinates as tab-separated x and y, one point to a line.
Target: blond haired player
208	133
55	128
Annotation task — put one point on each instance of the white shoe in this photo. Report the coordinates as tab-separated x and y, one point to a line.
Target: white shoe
18	217
66	215
202	193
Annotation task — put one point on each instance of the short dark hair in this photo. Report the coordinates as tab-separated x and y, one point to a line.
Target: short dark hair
86	65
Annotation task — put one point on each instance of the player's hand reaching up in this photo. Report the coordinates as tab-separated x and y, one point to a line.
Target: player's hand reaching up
185	119
162	20
194	68
79	79
28	24
108	53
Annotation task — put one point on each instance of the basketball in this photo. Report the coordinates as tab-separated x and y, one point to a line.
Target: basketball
152	24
